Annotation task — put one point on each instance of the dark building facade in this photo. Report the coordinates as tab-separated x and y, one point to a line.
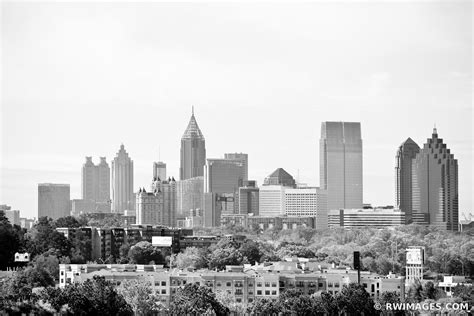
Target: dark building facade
435	185
403	177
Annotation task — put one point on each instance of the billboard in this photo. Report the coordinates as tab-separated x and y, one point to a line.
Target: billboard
415	256
160	241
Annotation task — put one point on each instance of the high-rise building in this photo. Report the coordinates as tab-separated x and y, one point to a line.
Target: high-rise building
95	187
167	192
403	177
54	200
193	151
223	175
159	170
122	182
435	184
248	196
190	195
148	208
244	159
280	177
341	164
272	200
307	202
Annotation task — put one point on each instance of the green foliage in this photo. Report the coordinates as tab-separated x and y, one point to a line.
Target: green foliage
67	221
20	285
44	237
192	257
48	262
354	300
392	298
225	252
144	252
194	299
139	295
10	242
93	297
251	251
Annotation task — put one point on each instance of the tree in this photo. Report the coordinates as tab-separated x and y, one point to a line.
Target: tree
264	306
23	281
144	252
49	262
293	301
93	297
192	257
194	299
67	221
251	252
354	300
221	257
9	242
291	250
415	292
139	295
43	237
391	298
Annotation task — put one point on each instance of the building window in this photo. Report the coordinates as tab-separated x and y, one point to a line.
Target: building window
267	284
218	283
238	300
259	292
320	285
250	292
163	291
259	284
250	300
267	292
336	284
274	292
250	284
274	284
163	283
228	284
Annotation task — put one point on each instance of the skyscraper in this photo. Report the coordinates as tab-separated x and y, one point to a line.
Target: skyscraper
166	190
244	159
280	177
122	182
193	151
189	195
435	184
403	177
96	181
223	175
341	164
249	198
54	200
159	170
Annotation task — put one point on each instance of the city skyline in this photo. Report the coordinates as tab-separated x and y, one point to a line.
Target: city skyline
267	101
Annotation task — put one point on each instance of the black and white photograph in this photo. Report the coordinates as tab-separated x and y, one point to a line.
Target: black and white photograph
236	157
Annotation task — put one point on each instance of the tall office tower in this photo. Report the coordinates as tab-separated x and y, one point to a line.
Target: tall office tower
272	200
435	184
403	176
148	208
244	158
223	175
54	200
159	170
307	202
166	190
341	164
280	177
193	151
96	181
122	182
189	195
248	197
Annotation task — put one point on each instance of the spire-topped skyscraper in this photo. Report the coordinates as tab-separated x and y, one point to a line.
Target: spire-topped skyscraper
193	151
122	182
435	184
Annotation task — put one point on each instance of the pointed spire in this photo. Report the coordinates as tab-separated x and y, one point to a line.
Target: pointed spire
192	131
192	110
435	131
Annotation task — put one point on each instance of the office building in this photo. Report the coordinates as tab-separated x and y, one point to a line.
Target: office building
148	208
189	195
376	217
341	164
272	200
159	170
435	184
280	177
249	195
223	175
166	189
307	202
212	210
193	151
244	159
96	181
403	177
122	182
54	200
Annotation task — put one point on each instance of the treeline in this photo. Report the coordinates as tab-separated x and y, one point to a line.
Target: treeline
382	250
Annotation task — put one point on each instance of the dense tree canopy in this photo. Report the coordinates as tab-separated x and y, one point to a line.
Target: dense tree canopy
194	299
144	253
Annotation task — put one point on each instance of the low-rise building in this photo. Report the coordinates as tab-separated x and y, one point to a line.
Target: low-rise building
376	217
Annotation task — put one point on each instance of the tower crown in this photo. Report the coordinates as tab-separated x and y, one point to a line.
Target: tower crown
192	131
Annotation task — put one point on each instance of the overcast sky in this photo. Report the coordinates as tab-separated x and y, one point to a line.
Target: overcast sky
79	79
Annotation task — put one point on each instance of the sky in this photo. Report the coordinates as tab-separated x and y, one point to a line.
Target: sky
78	79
